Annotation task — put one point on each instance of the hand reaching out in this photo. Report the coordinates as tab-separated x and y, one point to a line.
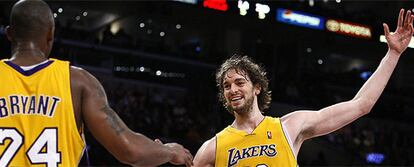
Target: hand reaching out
398	41
181	155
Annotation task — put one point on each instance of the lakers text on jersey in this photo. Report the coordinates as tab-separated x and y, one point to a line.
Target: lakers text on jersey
267	145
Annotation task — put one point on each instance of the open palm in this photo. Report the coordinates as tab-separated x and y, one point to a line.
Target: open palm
399	40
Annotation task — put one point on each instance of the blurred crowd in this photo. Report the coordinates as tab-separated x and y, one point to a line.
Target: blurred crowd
391	139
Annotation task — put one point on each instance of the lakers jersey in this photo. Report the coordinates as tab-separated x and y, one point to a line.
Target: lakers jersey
37	121
266	146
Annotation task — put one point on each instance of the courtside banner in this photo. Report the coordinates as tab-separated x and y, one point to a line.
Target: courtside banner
348	28
300	19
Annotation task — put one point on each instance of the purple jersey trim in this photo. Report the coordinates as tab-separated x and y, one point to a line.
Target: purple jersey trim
31	71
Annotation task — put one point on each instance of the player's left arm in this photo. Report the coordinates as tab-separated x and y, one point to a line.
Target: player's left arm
307	124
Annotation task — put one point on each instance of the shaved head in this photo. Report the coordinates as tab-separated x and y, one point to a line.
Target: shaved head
30	20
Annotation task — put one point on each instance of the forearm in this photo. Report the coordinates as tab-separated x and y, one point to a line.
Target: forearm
145	152
336	116
374	86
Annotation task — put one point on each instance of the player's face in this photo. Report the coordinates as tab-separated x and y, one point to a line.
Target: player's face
238	91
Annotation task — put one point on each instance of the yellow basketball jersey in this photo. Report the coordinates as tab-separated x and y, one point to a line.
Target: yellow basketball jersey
267	146
37	121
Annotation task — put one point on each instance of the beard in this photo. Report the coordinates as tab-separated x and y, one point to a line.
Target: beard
245	108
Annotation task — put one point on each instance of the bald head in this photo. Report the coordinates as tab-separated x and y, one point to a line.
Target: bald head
31	20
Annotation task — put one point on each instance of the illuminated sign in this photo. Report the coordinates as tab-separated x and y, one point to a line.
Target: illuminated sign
347	28
187	1
216	4
262	10
300	19
375	158
243	7
410	45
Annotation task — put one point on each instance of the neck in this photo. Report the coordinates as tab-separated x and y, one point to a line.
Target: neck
248	121
27	53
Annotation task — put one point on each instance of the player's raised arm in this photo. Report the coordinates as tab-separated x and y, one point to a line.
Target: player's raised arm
307	124
105	125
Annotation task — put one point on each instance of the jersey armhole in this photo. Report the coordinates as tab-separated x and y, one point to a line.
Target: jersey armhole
215	151
288	139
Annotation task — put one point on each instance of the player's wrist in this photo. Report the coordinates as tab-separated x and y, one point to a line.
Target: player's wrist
170	151
394	53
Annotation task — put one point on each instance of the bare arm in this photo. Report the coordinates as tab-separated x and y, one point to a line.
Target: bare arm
303	125
105	125
206	155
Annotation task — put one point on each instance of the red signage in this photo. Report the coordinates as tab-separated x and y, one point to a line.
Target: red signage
216	4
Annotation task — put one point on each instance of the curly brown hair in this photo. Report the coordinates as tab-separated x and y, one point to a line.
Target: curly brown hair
255	72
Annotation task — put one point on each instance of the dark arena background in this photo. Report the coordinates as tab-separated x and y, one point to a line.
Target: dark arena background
157	59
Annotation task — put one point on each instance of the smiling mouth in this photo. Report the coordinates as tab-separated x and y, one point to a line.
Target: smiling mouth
236	99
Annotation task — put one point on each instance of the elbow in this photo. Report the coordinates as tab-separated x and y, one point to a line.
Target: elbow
365	105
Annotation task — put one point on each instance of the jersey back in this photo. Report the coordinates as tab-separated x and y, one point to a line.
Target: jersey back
37	121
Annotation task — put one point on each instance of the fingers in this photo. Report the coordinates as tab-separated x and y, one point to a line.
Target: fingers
189	160
183	156
411	25
187	151
386	29
189	157
407	18
411	19
400	18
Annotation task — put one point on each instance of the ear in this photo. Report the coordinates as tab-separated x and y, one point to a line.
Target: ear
50	34
9	33
257	89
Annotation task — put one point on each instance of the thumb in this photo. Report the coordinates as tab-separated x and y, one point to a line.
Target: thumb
386	29
158	141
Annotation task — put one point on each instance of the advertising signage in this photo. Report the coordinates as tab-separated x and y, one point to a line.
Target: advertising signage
300	19
261	9
220	5
348	28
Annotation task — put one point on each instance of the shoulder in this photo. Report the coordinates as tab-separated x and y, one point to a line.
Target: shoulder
294	121
294	124
209	147
210	144
78	71
295	117
206	154
82	79
79	74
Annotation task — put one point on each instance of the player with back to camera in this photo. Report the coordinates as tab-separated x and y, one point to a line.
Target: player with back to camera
44	104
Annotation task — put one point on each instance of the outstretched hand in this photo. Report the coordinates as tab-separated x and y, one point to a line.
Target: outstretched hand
181	154
398	41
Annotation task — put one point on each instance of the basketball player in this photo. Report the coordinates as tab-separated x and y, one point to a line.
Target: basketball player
45	102
256	140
